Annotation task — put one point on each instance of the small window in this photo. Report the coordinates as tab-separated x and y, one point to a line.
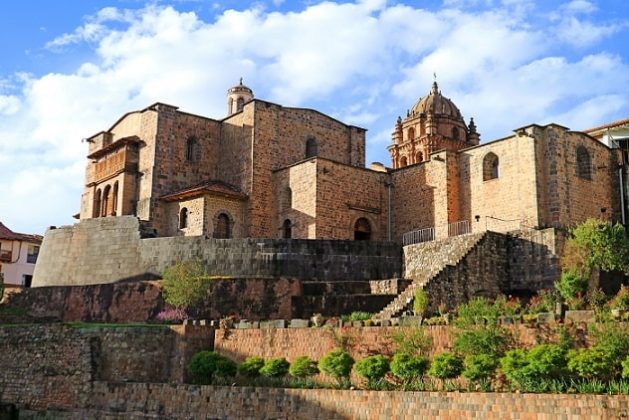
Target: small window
33	253
490	167
223	227
183	218
584	163
362	230
191	149
311	147
287	229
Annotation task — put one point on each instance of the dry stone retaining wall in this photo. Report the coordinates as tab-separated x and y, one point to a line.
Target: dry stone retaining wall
109	249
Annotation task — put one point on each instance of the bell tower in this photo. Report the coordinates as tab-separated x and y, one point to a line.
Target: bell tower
237	97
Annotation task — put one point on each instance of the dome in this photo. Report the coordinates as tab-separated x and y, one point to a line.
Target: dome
240	88
436	104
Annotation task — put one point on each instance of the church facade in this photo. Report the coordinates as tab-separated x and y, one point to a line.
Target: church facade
269	171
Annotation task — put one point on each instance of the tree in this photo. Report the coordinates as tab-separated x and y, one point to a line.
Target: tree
338	364
185	284
598	244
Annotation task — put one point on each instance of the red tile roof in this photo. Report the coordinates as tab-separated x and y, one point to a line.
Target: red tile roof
608	125
8	234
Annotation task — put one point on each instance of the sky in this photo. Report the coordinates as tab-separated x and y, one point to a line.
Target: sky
70	69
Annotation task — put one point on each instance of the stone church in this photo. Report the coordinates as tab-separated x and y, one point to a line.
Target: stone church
269	171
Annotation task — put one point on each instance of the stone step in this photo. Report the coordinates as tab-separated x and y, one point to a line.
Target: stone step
430	259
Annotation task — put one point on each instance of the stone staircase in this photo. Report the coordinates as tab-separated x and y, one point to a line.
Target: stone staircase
332	298
424	262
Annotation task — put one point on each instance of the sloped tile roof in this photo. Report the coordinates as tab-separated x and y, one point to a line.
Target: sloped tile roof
9	235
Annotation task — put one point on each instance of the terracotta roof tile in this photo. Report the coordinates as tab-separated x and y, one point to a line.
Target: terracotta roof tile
8	234
608	125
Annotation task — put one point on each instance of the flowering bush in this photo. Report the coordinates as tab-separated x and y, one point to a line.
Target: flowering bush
172	315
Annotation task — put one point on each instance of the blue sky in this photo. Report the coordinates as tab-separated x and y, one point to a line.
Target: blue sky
70	68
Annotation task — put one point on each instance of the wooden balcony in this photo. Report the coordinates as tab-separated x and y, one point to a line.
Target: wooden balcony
6	256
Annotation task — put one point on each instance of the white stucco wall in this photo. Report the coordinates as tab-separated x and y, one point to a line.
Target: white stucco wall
15	270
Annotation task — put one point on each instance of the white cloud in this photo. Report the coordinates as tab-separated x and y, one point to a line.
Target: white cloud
364	62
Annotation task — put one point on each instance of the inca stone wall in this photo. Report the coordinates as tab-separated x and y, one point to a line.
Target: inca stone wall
49	366
109	249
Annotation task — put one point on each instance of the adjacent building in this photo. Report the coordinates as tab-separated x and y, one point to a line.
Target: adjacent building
18	255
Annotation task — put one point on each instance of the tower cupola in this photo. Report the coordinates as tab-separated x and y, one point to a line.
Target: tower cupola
237	97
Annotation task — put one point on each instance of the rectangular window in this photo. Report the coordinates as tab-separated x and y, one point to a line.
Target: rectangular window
33	252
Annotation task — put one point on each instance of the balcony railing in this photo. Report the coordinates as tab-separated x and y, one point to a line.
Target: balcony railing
438	232
6	256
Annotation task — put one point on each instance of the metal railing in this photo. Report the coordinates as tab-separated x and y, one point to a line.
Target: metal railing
439	232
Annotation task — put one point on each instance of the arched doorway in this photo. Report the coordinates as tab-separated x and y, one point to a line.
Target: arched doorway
362	230
287	229
223	227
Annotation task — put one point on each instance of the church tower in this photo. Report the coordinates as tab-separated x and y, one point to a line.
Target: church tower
434	123
237	97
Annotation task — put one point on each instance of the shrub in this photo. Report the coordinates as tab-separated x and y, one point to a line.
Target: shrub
479	367
250	368
446	366
411	340
596	299
480	339
594	363
206	365
408	366
372	368
621	300
477	311
543	301
420	303
571	284
337	363
275	368
612	336
303	367
544	361
509	307
185	284
360	316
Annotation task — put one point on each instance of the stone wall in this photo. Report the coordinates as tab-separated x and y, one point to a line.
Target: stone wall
109	249
140	401
48	366
116	302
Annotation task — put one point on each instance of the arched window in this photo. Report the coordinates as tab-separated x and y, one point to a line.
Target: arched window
584	163
223	226
403	162
455	133
191	149
240	103
97	201
490	166
105	202
422	128
411	134
311	147
362	230
183	218
287	229
114	199
419	157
